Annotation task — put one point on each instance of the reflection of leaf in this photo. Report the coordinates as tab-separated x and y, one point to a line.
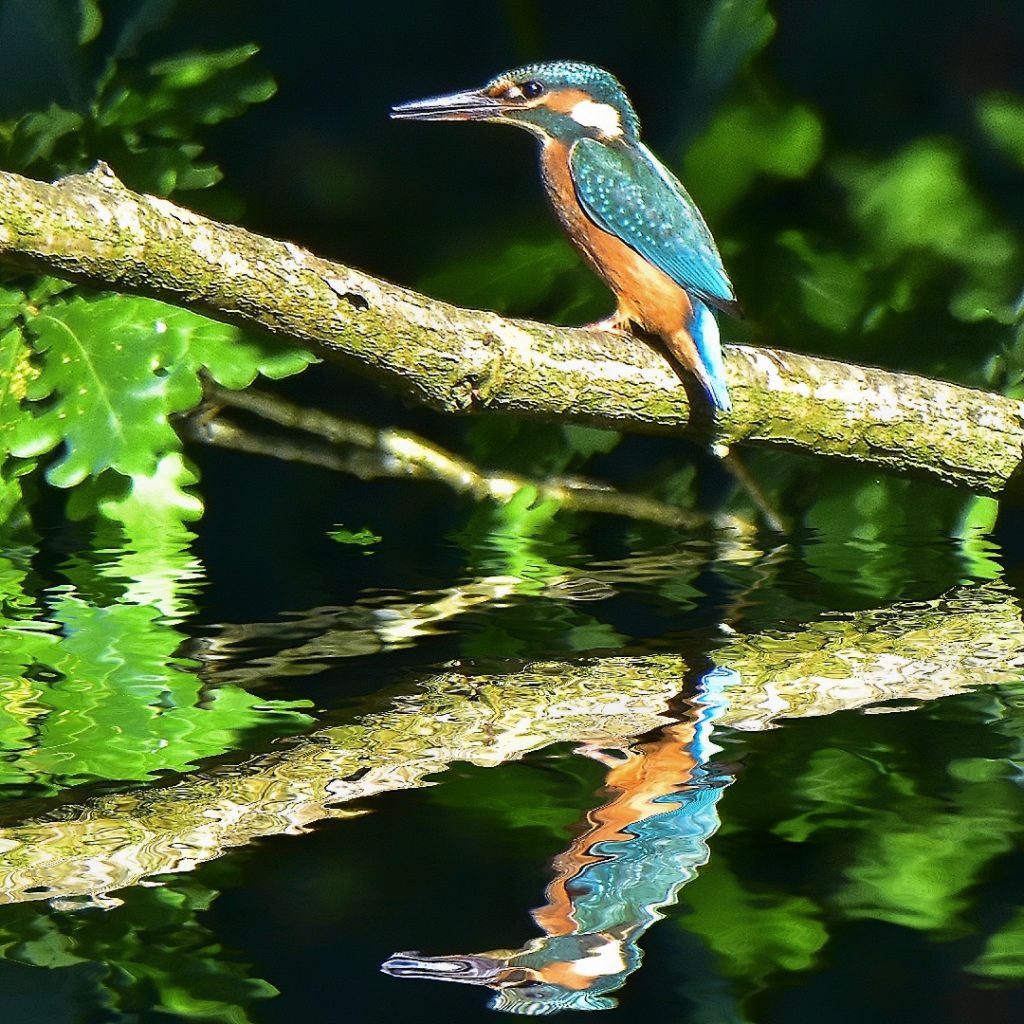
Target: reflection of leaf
1003	955
550	796
917	861
359	538
151	953
879	519
107	698
787	936
836	785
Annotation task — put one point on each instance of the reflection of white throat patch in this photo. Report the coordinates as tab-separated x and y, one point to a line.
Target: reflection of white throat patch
602	116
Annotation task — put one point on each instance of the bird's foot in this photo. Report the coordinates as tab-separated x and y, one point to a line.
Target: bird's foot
614	324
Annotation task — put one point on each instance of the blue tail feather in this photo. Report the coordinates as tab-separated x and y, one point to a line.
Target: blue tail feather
704	331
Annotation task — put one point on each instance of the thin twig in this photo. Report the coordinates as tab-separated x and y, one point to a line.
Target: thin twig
397	453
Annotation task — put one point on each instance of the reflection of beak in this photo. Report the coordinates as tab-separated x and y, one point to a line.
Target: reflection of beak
469	969
455	106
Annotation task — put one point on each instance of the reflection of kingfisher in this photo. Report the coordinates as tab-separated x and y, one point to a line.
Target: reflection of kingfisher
636	852
633	221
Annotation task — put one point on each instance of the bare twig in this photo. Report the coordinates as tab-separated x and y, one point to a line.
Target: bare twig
397	453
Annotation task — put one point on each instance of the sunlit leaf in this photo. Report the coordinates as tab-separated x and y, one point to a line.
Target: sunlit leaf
107	405
359	538
1002	119
111	371
748	140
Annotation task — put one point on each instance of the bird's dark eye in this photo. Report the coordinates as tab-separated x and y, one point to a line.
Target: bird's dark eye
531	90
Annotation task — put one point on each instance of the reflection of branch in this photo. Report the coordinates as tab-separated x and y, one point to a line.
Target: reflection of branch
397	453
369	627
907	652
93	229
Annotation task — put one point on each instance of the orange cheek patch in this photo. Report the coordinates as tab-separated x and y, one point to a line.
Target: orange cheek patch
564	100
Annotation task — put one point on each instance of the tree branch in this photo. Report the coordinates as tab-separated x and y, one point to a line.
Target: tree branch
91	228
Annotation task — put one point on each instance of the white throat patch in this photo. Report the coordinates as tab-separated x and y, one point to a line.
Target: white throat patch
602	116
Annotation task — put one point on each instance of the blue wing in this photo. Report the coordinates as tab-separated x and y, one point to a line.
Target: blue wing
630	194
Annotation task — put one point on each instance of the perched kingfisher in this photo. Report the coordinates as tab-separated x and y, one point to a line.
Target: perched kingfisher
632	220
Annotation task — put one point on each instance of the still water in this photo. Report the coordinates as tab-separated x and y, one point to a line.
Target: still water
718	779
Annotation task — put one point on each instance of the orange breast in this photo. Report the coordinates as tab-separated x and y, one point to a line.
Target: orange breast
647	295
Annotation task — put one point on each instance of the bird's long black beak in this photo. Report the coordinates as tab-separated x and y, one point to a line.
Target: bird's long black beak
472	105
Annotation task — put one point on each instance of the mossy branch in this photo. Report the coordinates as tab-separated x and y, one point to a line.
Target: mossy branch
91	228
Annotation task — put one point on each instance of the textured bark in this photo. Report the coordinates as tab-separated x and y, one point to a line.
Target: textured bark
91	228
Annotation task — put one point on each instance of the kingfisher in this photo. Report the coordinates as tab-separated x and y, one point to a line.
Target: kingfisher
630	217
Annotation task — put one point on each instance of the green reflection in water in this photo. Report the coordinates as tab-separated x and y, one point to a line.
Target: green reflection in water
91	683
151	953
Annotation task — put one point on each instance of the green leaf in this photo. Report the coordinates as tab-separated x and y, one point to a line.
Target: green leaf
36	137
16	374
747	140
1002	120
186	91
360	538
106	402
112	370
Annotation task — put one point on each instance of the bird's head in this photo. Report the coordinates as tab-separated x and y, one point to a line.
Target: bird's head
560	99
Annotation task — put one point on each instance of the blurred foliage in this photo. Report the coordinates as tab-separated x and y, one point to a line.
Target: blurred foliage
153	954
